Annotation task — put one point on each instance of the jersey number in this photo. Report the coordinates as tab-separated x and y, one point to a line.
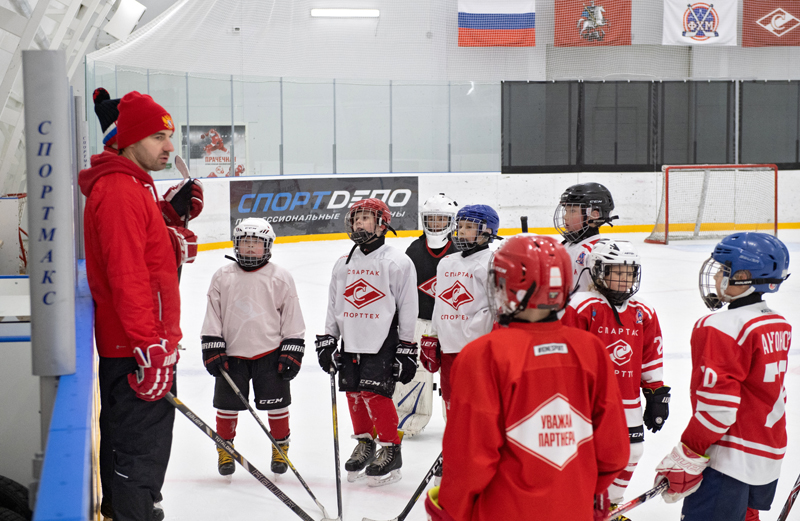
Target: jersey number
772	372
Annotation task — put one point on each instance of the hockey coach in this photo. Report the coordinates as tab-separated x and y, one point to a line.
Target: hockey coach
131	267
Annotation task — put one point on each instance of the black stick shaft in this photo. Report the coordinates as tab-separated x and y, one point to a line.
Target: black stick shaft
224	445
790	501
420	488
524	223
336	444
272	439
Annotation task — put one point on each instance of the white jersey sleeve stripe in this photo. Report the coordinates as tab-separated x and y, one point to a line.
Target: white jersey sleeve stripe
659	361
720	397
588	302
708	425
637	401
743	336
753	445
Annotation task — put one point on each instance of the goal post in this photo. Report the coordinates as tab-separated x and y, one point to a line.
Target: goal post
713	201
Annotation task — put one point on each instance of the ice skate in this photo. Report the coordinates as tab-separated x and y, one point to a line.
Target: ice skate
363	455
279	465
158	512
225	463
386	467
107	513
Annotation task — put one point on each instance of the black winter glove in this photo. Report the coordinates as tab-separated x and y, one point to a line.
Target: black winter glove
405	362
214	357
656	410
292	350
329	358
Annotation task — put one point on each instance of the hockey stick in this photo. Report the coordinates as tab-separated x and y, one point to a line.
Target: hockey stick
336	443
224	445
523	220
650	494
790	500
418	492
274	442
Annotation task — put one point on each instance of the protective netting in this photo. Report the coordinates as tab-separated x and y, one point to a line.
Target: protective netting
473	40
712	201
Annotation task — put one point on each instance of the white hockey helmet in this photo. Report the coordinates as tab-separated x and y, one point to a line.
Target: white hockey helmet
248	257
616	285
438	215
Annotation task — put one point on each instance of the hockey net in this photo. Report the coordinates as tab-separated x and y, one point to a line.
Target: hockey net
713	201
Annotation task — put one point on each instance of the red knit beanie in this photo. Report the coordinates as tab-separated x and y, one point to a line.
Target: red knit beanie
139	117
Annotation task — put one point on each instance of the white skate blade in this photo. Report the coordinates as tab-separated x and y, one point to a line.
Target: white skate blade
379	481
356	475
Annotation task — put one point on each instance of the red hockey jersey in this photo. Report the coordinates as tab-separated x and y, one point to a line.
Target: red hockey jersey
634	347
739	360
536	426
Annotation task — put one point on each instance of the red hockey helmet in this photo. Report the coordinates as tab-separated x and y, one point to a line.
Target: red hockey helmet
529	271
378	209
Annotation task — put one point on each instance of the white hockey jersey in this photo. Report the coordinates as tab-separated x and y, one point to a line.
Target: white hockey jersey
253	310
739	361
364	296
462	312
577	252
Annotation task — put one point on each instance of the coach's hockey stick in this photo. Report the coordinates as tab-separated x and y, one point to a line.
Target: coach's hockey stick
523	221
336	443
274	442
418	492
790	500
224	445
650	494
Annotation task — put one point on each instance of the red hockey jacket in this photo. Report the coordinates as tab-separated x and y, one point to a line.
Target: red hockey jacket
536	426
130	261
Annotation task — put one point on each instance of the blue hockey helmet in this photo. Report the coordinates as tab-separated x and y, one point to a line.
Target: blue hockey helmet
486	218
762	259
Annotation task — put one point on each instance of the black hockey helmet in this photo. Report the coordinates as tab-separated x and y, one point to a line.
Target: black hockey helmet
590	197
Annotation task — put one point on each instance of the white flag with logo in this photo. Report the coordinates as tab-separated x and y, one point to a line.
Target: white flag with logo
700	23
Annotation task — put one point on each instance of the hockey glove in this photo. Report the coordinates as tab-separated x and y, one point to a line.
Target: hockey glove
405	362
292	350
656	411
329	357
435	512
602	505
214	357
184	242
683	468
182	199
430	354
153	380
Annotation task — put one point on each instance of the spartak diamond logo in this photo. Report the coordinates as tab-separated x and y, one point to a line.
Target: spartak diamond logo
429	287
620	352
553	432
360	293
779	22
456	295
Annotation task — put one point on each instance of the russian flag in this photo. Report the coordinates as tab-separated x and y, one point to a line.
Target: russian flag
496	23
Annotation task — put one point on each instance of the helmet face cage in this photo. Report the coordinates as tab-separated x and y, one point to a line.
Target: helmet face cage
253	229
362	236
436	223
560	220
708	283
625	275
463	241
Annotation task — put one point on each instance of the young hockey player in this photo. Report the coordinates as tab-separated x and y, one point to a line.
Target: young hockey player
583	208
536	428
462	311
630	331
372	307
254	330
729	456
414	401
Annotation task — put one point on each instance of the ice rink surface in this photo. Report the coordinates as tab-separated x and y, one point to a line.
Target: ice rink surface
195	491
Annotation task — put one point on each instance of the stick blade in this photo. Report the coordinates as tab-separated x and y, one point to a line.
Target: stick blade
182	168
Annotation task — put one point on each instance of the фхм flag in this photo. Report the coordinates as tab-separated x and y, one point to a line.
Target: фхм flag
699	23
496	23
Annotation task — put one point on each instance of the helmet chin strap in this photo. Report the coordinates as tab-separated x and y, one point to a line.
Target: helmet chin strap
728	298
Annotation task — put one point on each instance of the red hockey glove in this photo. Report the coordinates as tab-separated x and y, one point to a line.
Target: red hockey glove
435	512
153	380
683	468
292	350
430	353
602	505
329	358
656	410
405	362
184	242
179	199
214	354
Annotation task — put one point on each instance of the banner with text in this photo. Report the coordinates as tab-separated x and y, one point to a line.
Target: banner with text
311	206
209	149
